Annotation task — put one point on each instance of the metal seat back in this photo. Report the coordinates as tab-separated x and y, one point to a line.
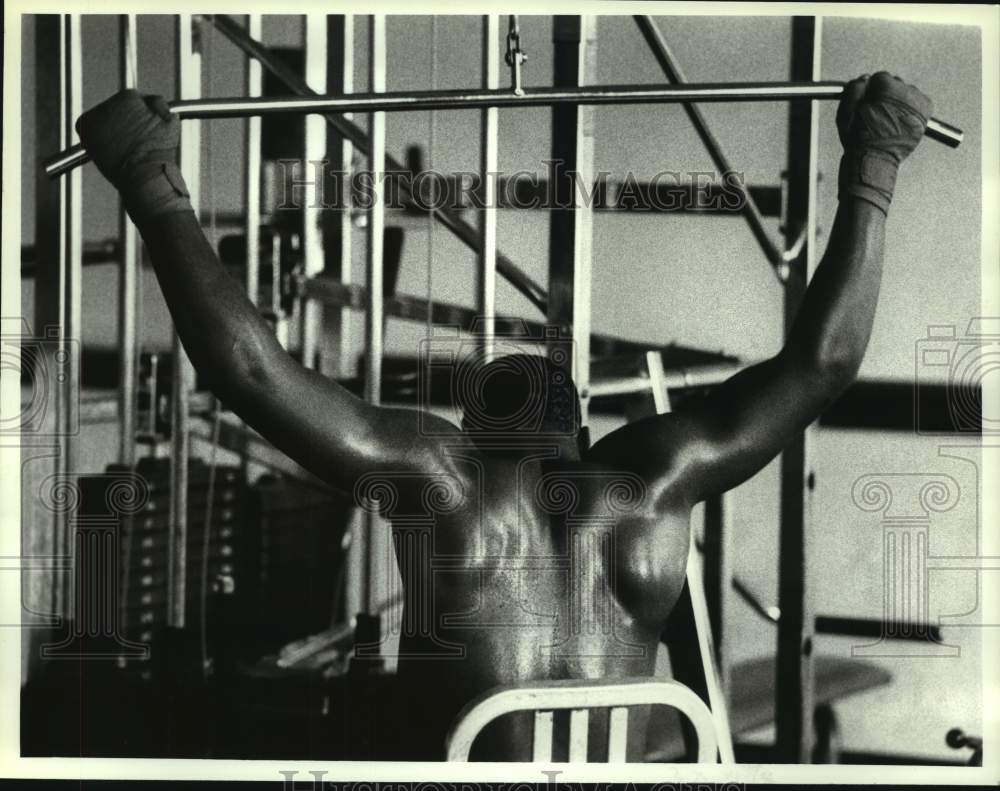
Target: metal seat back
580	697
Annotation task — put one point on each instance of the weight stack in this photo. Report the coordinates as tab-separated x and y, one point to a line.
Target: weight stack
114	679
144	551
296	564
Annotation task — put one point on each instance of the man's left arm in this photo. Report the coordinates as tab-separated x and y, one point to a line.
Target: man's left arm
725	438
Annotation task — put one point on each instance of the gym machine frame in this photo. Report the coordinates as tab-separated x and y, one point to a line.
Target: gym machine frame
571	277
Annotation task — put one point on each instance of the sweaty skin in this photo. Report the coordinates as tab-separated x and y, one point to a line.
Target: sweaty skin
539	563
518	624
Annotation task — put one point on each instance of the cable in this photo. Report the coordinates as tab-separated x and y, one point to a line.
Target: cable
207	39
216	416
207	538
432	119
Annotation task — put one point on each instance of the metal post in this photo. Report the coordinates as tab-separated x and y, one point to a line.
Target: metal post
488	148
692	608
337	233
571	225
50	129
337	224
252	188
189	81
794	682
71	277
712	693
275	306
50	126
128	277
255	87
376	215
373	543
583	220
58	235
718	578
315	151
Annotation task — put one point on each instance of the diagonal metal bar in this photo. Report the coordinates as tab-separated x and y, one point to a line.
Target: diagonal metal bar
668	63
469	235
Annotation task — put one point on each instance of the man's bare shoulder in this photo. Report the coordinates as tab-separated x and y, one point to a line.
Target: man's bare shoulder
652	449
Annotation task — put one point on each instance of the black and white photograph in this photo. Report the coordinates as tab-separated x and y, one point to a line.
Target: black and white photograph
594	391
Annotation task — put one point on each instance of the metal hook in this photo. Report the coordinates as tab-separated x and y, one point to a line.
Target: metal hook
515	57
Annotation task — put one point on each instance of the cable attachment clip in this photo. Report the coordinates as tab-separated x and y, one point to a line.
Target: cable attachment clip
515	56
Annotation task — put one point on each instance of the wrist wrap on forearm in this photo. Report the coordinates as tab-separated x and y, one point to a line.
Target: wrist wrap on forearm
868	174
154	188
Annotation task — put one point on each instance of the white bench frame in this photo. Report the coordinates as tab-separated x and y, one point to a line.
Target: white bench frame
580	696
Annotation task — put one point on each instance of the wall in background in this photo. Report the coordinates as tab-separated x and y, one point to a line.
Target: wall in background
696	280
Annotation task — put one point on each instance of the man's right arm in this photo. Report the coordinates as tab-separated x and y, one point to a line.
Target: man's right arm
311	418
133	140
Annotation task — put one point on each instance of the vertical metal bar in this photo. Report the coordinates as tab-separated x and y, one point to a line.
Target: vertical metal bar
718	578
315	151
703	630
189	84
274	311
280	322
154	397
337	226
376	216
58	235
50	130
583	230
694	608
618	735
542	748
128	275
687	666
70	277
571	225
373	537
337	236
579	723
794	682
488	152
255	87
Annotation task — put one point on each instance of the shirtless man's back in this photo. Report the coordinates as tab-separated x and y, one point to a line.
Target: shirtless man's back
545	570
525	555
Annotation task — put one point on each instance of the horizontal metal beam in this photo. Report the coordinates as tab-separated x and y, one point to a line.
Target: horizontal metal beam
840	625
105	251
675	379
241	107
854	626
234	435
926	408
403	306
